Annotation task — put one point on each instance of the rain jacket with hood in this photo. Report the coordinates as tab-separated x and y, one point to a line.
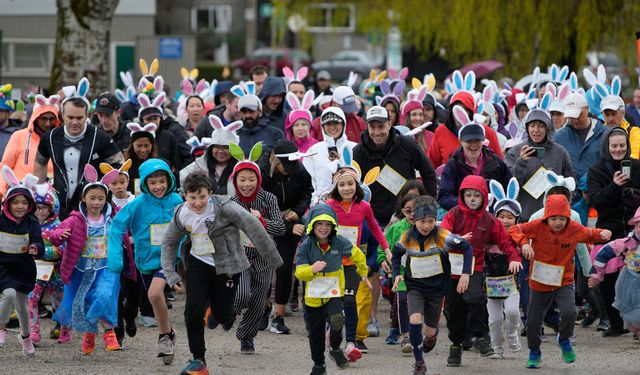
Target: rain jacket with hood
615	204
486	229
303	144
18	271
634	137
556	159
405	156
143	215
310	252
20	153
550	247
262	132
355	126
583	154
274	86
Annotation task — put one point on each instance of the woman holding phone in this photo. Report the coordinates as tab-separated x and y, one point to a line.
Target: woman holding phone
614	191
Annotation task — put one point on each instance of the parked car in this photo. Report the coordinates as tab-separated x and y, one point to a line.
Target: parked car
262	56
611	62
340	64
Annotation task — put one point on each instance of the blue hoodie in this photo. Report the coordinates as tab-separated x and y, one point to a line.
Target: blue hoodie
139	216
274	86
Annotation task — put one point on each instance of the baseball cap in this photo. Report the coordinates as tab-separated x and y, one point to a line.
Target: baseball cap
332	114
107	103
471	132
612	102
323	74
345	98
285	146
250	102
557	106
377	113
573	104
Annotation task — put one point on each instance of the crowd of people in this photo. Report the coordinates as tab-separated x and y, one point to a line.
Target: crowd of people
504	209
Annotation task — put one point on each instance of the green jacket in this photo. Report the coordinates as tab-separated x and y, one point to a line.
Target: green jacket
393	234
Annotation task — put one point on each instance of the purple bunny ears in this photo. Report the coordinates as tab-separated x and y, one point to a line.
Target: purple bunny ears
91	176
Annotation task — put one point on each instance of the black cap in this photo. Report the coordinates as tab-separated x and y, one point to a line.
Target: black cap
285	146
107	103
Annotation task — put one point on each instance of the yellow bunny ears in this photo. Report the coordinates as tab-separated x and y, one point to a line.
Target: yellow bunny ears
189	74
148	71
429	81
124	169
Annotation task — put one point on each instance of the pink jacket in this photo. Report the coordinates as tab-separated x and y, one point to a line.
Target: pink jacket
357	214
77	224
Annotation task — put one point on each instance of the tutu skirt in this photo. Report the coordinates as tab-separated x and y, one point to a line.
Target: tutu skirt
628	298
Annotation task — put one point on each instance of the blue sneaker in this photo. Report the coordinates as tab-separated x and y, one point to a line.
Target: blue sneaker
534	359
392	339
568	354
195	367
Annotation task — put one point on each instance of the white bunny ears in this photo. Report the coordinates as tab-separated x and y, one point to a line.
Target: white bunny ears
196	143
147	87
468	127
148	128
457	83
244	88
297	77
80	91
508	201
91	176
555	180
305	105
224	135
146	104
42	101
28	182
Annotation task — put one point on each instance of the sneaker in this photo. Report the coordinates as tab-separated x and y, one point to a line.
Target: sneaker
468	343
165	347
589	320
523	332
295	307
428	343
195	367
147	321
318	370
514	343
65	335
130	327
362	347
405	346
209	321
55	332
534	359
110	341
277	326
35	337
499	350
88	342
44	313
264	320
372	328
484	348
339	357
455	356
228	325
568	355
246	346
603	325
3	337
392	338
352	352
614	332
27	346
169	295
419	368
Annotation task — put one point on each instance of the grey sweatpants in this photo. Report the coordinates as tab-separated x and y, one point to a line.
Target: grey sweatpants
539	302
10	298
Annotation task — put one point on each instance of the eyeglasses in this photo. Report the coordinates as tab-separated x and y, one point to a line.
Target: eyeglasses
47	118
221	147
407	211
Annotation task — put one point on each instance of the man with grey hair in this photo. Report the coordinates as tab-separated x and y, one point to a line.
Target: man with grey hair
613	111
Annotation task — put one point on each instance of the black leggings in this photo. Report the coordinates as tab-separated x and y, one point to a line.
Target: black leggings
205	287
287	245
608	292
128	302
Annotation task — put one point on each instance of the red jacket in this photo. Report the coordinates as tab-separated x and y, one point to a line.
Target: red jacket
555	248
485	227
445	143
355	127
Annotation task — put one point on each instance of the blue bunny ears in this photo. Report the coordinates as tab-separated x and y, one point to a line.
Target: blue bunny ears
244	88
506	201
80	91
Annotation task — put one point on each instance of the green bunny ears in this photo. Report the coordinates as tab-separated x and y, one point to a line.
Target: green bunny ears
254	155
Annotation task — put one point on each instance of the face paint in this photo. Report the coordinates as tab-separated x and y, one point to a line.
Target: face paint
472	198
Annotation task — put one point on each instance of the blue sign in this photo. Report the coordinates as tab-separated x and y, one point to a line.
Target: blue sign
170	48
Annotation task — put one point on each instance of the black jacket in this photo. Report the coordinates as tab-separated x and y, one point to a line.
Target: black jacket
171	141
403	155
293	191
204	128
18	271
129	112
274	86
123	136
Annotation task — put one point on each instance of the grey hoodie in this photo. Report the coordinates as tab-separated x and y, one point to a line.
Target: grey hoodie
224	231
556	158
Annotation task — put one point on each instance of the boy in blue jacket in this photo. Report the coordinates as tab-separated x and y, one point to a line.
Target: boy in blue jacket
147	217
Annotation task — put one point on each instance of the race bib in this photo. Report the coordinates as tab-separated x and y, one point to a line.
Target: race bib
201	245
547	274
157	232
323	287
350	233
96	247
457	263
424	267
391	180
537	184
136	187
503	286
14	243
44	270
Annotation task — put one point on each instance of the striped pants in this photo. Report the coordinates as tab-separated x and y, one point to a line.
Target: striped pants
251	294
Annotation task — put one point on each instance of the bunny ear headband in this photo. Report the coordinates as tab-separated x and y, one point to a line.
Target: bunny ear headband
349	167
145	103
198	144
150	88
42	101
148	71
80	92
459	83
254	154
201	90
297	77
189	74
106	168
91	177
148	128
508	201
555	180
224	135
244	88
28	182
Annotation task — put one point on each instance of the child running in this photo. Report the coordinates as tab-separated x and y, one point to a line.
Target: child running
91	290
20	241
48	282
550	244
147	217
319	265
215	258
427	274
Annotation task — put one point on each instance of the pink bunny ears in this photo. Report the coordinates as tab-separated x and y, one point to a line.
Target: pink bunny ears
296	105
297	77
145	103
224	135
148	128
29	181
217	124
201	89
42	101
469	130
91	176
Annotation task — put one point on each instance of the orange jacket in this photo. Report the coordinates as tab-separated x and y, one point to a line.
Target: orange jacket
555	248
20	153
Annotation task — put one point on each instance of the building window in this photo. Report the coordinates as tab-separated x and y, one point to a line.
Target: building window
31	57
213	18
327	17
